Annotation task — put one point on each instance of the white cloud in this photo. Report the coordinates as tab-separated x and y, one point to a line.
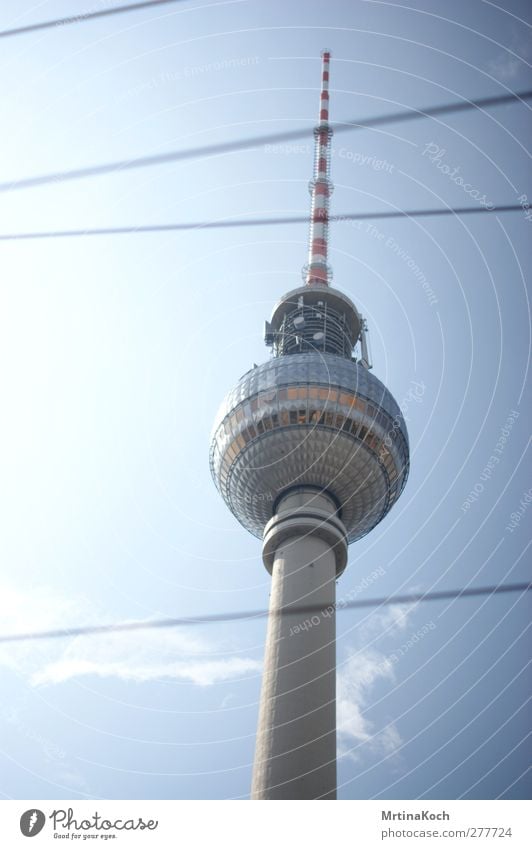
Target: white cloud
506	66
174	653
142	656
388	622
356	681
27	612
357	678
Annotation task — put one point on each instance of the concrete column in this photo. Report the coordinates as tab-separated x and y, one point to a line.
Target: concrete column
305	549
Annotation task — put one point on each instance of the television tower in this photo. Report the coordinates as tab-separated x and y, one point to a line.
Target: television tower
309	451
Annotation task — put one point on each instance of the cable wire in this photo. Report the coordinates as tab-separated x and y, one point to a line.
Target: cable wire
221	148
235	616
84	16
250	222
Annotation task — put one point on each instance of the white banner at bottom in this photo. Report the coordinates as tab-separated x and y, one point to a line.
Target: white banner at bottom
263	825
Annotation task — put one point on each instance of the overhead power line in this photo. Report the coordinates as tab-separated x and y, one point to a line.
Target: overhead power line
84	16
250	222
221	148
300	610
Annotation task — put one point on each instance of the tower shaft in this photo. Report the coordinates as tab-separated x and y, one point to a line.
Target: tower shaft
317	272
304	548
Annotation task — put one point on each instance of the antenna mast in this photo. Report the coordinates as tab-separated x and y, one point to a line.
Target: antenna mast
317	272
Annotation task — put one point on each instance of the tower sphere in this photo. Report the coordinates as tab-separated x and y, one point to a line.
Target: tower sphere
310	417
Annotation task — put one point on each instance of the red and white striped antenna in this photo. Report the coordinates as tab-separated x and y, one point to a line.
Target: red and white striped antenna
317	272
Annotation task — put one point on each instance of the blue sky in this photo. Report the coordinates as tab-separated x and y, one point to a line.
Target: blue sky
117	351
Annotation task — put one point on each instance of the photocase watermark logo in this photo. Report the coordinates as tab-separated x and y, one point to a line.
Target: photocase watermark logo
525	206
354	156
361	159
257	497
66	820
373	231
288	149
51	751
492	463
518	514
414	268
436	154
65	825
415	394
178	75
32	822
327	612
